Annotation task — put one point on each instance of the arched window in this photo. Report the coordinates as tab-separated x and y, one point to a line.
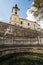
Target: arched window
28	24
15	12
21	22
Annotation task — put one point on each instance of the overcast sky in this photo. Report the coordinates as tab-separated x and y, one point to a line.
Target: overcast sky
6	8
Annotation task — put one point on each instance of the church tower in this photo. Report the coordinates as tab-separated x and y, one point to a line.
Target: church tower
14	19
15	10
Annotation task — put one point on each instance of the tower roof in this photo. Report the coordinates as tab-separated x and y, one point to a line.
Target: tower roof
16	7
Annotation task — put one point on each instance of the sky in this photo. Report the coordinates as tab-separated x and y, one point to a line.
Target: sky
6	9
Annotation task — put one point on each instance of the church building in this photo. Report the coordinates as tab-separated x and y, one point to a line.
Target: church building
16	20
20	31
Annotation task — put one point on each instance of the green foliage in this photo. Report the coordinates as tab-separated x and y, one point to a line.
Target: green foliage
39	5
24	59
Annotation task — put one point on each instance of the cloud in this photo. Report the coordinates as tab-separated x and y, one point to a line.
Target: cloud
32	3
31	17
41	24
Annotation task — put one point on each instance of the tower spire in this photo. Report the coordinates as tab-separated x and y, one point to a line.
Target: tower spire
15	9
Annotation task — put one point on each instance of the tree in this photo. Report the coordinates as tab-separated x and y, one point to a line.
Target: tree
38	5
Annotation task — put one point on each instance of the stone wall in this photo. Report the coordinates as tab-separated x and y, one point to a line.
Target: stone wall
20	40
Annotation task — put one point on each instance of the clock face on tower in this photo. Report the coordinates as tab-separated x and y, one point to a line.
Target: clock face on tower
15	19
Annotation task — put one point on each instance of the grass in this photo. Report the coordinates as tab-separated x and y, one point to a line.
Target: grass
23	59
